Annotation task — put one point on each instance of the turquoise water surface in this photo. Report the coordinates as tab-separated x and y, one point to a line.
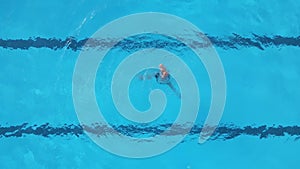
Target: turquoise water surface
257	41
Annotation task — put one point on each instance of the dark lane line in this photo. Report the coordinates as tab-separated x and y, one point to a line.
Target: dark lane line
233	41
223	132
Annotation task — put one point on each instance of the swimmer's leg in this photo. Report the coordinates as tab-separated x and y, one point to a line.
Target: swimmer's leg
174	90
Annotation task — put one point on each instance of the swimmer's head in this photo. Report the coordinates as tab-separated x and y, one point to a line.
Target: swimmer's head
161	65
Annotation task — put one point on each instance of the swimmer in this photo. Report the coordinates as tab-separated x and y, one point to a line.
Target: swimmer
163	77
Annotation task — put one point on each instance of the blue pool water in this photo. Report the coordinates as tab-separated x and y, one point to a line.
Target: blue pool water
257	41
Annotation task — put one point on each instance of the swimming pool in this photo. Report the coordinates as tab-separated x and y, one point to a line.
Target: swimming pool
256	41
